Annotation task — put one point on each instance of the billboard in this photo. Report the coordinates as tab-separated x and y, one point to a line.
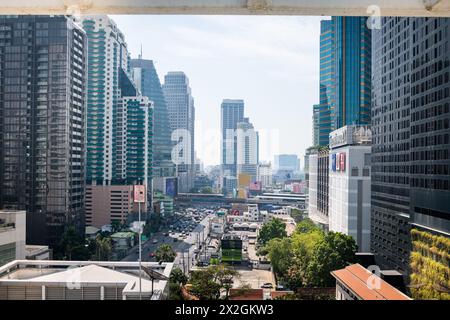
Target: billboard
139	194
171	187
338	161
255	186
333	162
244	180
342	164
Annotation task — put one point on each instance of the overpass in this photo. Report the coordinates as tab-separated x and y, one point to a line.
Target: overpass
282	199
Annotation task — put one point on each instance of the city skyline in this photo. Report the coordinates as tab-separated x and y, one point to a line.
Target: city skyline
227	66
102	156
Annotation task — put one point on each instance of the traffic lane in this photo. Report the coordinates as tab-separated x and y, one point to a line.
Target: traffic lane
180	246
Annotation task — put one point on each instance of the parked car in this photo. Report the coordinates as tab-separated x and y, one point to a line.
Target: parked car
267	285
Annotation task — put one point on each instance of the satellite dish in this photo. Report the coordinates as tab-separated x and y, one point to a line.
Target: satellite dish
154	275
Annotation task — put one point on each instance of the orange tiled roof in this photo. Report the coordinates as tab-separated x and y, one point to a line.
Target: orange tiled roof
277	294
356	278
251	294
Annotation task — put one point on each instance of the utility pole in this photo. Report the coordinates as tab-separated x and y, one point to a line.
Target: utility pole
140	253
188	262
139	197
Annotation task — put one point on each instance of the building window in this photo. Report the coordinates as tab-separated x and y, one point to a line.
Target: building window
367	159
355	172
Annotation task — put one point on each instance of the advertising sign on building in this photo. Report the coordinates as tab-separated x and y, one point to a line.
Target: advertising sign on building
342	165
255	186
338	161
333	162
171	187
139	193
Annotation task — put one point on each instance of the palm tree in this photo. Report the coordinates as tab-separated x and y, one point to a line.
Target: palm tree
165	253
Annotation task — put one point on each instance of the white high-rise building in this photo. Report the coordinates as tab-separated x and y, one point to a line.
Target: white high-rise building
107	54
350	183
265	174
247	149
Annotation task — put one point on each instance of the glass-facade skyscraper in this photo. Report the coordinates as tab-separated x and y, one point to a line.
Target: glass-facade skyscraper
326	122
232	113
180	105
42	123
352	50
316	127
147	81
411	145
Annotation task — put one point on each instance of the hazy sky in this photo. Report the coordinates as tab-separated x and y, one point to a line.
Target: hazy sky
270	62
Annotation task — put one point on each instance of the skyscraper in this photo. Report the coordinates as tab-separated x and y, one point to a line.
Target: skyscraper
42	123
410	126
107	54
287	162
180	105
327	81
352	50
247	150
232	113
147	82
133	134
316	127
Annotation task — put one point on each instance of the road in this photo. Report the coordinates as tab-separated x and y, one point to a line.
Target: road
187	246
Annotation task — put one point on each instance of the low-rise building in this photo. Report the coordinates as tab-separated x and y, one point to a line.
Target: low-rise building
12	235
357	283
350	183
108	203
231	248
36	252
122	242
163	204
83	280
91	232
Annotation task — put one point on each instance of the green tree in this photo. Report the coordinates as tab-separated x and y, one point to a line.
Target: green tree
280	255
176	279
165	253
177	276
224	276
306	226
115	226
206	190
72	246
103	248
203	284
297	215
208	283
275	228
334	252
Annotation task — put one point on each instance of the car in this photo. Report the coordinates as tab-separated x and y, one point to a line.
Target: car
166	234
155	241
267	285
151	255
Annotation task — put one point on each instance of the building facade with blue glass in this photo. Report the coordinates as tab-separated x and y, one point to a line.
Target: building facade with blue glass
352	49
327	78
